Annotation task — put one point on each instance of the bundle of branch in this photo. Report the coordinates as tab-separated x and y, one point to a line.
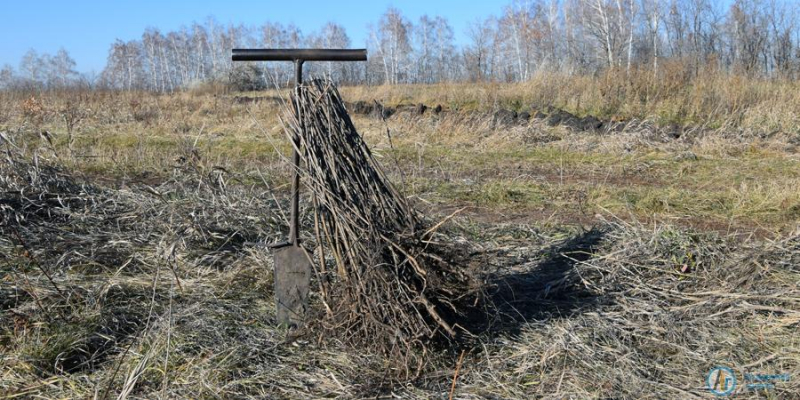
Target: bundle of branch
393	286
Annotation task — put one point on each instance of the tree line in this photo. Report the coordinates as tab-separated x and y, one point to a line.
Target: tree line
751	37
43	71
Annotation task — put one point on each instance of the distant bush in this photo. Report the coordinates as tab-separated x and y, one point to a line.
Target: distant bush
247	77
33	110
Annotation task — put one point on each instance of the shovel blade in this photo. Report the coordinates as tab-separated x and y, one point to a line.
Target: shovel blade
292	282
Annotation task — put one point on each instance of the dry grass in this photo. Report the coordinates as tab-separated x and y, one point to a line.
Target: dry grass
175	303
645	315
677	96
135	266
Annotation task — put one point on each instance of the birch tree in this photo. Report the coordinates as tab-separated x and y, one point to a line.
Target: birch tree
479	53
392	40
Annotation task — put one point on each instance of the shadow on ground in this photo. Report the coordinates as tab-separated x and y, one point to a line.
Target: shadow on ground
542	287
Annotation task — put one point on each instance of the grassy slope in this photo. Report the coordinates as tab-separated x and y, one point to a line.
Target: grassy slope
730	178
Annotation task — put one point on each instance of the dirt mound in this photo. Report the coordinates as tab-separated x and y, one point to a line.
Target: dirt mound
373	109
501	118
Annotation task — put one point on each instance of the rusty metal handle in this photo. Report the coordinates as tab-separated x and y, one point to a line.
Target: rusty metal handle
294	226
299	55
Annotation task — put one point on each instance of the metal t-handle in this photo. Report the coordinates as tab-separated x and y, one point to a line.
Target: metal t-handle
292	271
298	56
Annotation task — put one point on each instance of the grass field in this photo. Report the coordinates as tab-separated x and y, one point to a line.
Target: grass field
628	260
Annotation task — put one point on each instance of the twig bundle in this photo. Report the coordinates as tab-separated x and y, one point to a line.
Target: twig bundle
394	287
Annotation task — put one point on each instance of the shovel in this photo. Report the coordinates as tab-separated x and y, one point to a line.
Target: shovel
292	262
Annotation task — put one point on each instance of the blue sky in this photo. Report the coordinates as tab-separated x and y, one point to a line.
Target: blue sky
87	28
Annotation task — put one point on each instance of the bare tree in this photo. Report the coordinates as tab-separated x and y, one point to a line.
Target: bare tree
434	50
276	35
32	67
63	68
445	53
630	15
598	19
652	10
334	36
517	29
749	33
479	55
392	42
782	24
584	36
425	38
124	68
6	77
